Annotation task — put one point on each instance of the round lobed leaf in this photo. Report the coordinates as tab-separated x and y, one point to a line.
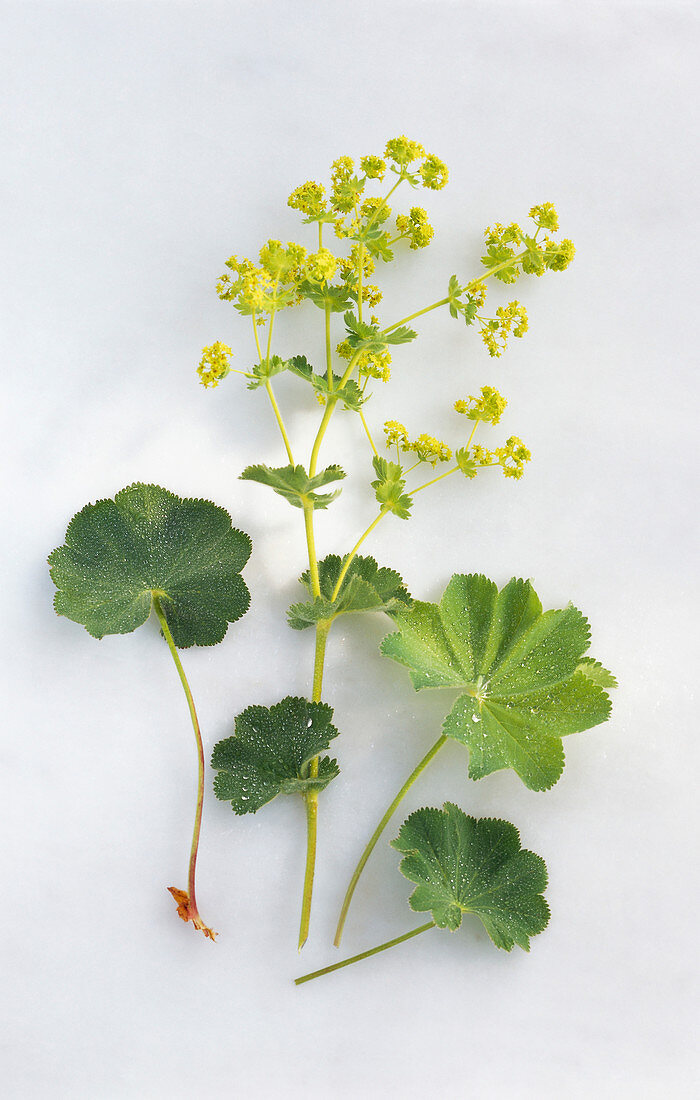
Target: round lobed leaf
148	542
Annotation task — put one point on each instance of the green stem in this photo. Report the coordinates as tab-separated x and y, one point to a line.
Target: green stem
280	421
452	470
378	832
367	432
311	797
190	907
411	316
311	548
329	362
346	565
366	954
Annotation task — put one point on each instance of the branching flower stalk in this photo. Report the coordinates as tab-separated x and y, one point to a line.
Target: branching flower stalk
287	276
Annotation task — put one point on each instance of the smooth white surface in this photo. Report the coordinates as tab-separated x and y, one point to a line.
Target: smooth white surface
143	144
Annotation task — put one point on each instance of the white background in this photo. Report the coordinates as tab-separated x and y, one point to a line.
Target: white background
144	143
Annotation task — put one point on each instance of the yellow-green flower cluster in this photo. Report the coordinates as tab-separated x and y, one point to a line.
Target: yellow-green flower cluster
214	364
375	210
342	194
434	173
373	167
559	255
415	227
348	268
321	266
498	235
489	407
308	198
371	364
396	434
403	151
426	447
545	216
512	457
282	263
510	319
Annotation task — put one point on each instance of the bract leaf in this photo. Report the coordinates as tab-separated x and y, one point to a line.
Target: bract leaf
464	865
334	298
294	484
365	587
350	393
269	752
119	553
519	671
261	372
389	487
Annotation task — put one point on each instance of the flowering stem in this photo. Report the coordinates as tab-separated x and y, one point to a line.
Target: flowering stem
280	421
368	433
419	313
348	561
447	473
187	903
378	832
311	797
366	954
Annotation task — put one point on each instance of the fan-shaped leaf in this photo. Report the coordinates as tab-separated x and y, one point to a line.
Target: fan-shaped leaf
461	865
521	670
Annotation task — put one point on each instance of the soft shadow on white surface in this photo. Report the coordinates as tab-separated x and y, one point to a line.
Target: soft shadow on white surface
146	142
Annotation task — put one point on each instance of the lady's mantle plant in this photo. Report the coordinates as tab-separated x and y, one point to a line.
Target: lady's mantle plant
520	678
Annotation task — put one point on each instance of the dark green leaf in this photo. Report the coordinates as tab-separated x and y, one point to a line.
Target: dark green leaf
269	752
519	670
464	865
119	553
366	587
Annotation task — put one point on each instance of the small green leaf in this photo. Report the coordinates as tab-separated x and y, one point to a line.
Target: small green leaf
350	394
261	372
400	335
294	484
520	671
389	487
464	865
119	553
269	752
334	298
366	587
